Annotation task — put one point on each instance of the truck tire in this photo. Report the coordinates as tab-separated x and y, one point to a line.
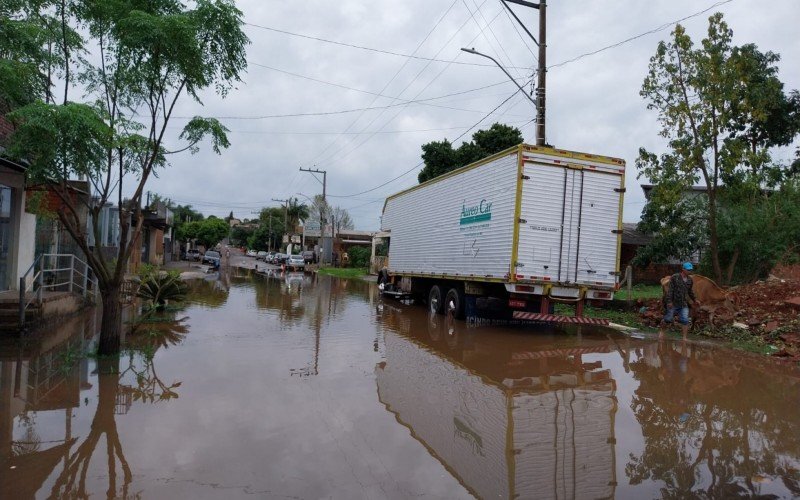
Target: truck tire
436	300
454	303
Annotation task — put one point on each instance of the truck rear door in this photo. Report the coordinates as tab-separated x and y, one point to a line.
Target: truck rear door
569	216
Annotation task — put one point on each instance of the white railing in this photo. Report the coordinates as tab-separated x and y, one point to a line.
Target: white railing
56	273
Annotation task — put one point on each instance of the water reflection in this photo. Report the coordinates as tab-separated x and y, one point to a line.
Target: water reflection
714	426
279	400
507	417
535	413
48	381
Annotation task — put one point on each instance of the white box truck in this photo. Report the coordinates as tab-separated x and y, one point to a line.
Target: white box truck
510	234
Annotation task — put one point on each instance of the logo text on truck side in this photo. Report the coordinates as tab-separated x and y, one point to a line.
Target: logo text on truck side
479	212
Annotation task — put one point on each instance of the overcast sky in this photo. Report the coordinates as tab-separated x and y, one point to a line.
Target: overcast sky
593	103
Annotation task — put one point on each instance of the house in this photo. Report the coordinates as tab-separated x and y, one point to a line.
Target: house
17	226
156	239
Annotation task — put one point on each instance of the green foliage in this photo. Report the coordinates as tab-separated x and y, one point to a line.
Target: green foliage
341	272
60	141
158	287
211	231
296	212
759	229
678	222
721	108
440	157
359	256
145	57
240	235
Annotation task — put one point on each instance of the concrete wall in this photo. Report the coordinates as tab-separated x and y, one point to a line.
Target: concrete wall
26	246
23	234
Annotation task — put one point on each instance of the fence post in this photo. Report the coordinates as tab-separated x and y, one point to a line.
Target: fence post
85	277
21	302
629	279
71	272
40	279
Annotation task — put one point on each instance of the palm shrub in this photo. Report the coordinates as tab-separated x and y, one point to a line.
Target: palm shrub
159	288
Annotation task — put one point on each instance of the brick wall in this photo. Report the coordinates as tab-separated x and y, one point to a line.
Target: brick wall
5	130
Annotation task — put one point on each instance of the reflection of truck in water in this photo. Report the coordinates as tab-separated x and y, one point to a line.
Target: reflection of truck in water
512	233
506	423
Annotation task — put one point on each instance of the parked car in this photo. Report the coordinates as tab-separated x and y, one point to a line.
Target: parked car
193	254
212	257
280	258
295	262
261	255
251	253
309	257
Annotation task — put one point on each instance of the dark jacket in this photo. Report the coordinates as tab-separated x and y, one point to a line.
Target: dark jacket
678	290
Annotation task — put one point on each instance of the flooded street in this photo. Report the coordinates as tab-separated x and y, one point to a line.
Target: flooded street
299	386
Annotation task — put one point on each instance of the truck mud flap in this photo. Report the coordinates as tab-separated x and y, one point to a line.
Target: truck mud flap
555	318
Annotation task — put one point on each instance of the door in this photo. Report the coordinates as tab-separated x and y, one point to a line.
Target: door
6	236
549	230
596	259
570	219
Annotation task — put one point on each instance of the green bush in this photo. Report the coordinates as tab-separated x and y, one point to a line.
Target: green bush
158	288
359	256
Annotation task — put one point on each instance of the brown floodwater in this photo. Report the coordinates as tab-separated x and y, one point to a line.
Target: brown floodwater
302	387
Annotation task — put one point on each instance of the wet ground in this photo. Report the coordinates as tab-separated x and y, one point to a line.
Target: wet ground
290	386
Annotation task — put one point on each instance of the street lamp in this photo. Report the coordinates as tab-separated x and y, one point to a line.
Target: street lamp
473	51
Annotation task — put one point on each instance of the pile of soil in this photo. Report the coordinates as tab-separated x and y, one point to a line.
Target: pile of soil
767	309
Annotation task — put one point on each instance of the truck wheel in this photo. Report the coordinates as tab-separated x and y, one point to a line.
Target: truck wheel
454	303
435	300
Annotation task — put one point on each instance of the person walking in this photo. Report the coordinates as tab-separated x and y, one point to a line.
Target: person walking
676	300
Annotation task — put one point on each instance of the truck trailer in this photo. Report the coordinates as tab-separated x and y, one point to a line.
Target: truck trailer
509	235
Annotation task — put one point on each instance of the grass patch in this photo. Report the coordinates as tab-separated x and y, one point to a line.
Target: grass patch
343	272
639	292
627	318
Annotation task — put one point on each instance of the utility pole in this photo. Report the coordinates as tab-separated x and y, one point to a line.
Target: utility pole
327	249
541	83
540	86
285	214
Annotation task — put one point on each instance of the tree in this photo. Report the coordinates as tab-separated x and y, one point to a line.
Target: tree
320	211
149	56
295	212
341	219
720	108
211	231
240	234
440	157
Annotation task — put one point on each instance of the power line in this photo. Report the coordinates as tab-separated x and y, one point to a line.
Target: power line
354	110
640	35
389	82
331	132
371	49
418	93
421	163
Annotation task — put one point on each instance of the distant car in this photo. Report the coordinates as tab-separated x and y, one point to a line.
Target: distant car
295	262
193	254
251	253
261	255
308	256
280	258
212	257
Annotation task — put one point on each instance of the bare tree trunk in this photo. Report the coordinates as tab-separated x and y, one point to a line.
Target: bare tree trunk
732	267
111	324
713	244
